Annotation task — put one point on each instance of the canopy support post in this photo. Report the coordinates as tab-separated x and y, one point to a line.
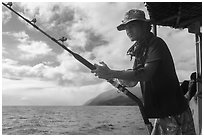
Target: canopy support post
155	29
196	102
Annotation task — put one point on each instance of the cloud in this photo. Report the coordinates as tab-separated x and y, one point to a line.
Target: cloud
87	29
11	77
91	31
26	49
6	16
75	19
9	62
96	32
33	49
68	73
184	74
92	34
52	16
37	92
4	50
20	36
26	83
181	45
11	68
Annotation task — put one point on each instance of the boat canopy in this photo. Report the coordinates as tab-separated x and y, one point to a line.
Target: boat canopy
175	14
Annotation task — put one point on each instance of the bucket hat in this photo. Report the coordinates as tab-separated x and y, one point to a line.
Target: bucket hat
132	15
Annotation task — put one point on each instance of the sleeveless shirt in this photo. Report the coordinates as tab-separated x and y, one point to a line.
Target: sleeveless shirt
162	94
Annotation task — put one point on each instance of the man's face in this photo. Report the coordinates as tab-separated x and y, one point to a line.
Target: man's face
134	30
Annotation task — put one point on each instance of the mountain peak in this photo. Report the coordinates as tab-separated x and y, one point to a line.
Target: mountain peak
113	98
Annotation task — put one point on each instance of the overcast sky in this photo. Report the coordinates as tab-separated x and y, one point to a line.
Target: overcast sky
36	71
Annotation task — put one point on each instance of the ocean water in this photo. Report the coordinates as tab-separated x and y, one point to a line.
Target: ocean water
72	120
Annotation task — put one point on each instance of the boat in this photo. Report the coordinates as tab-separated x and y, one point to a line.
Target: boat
183	15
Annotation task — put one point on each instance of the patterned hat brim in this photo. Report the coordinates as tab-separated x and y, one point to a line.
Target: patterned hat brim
122	25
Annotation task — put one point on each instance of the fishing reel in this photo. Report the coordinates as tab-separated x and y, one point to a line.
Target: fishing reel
9	4
62	39
34	20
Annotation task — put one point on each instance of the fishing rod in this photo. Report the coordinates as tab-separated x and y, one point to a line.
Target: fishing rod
115	83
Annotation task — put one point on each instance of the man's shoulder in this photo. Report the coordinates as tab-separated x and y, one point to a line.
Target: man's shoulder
157	42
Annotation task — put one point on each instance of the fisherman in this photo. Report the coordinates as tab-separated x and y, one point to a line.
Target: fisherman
154	69
189	87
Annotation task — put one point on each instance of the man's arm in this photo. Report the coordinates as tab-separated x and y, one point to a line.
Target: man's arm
132	75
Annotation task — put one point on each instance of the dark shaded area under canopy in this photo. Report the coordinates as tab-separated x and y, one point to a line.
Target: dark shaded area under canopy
175	14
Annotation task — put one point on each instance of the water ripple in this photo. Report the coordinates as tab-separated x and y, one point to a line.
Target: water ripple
88	120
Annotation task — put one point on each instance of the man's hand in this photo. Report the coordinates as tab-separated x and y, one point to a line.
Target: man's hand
102	71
